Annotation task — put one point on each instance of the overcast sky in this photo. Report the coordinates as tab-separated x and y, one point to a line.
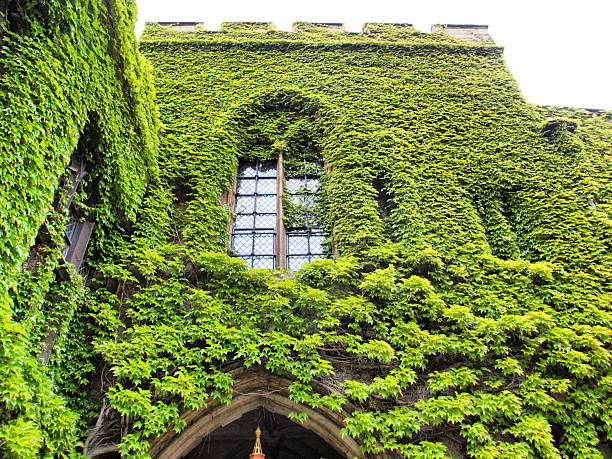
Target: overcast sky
560	51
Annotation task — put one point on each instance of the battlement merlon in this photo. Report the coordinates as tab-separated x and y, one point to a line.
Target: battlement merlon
470	32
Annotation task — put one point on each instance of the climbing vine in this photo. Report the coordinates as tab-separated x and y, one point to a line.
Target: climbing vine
70	75
468	310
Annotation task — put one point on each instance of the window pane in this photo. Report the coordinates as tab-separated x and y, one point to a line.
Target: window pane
244	221
309	199
243	244
294	263
294	185
297	200
312	185
245	204
246	170
314	168
267	169
316	244
266	186
266	204
263	262
264	244
84	269
304	238
245	186
265	221
64	250
249	260
297	244
71	227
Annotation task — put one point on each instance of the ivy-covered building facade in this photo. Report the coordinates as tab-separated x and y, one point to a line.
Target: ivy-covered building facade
367	244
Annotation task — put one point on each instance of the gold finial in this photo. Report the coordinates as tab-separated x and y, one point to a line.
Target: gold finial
257	451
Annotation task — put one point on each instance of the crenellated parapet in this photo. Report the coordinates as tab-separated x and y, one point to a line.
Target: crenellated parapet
476	34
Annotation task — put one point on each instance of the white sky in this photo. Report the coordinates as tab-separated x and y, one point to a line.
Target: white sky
560	51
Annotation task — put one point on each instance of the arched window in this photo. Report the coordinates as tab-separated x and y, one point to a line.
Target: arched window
276	224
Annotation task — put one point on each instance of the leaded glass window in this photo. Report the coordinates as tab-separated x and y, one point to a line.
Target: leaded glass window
305	237
254	231
268	196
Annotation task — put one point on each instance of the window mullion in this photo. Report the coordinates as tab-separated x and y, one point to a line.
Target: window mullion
254	230
305	196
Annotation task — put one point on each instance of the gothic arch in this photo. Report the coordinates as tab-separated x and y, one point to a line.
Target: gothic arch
232	124
253	388
289	99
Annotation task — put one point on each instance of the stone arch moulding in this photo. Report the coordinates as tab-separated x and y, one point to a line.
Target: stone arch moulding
253	388
281	98
232	123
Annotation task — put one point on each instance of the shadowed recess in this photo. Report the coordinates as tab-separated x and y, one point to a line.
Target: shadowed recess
281	438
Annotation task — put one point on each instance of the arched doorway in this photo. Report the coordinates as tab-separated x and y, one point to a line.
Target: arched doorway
281	438
257	394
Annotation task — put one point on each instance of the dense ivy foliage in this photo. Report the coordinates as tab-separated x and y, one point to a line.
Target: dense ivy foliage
468	308
469	311
70	72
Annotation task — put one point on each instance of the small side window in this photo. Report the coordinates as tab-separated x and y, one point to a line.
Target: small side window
79	225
